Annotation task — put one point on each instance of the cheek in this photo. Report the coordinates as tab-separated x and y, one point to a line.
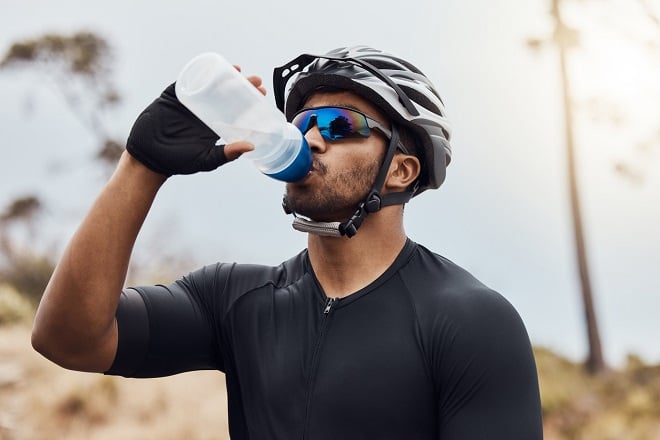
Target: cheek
352	157
353	175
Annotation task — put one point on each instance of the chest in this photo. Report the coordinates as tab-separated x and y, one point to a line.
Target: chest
352	365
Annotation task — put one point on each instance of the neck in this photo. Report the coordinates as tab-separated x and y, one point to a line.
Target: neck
344	265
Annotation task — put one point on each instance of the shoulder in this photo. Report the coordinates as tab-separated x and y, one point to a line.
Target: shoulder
235	279
437	281
453	305
478	349
251	274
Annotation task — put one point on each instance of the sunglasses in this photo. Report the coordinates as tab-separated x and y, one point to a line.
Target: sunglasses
337	123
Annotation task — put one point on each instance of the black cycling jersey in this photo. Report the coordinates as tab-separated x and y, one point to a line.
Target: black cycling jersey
424	352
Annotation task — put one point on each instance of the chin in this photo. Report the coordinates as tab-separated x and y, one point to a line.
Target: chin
321	204
321	212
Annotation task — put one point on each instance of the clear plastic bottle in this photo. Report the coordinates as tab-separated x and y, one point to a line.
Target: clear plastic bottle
221	97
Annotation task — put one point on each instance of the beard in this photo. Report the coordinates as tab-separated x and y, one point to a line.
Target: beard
338	195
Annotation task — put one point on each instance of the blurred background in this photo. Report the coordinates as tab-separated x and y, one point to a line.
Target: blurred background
552	197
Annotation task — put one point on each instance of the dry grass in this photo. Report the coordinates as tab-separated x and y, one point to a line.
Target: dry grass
39	400
14	307
618	405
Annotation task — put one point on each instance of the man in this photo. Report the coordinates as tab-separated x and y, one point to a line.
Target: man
363	335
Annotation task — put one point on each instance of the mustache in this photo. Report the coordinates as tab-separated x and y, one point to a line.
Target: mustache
320	167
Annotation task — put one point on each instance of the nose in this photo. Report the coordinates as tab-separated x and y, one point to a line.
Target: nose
315	141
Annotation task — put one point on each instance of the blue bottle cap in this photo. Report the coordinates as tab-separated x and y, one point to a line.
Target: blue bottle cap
299	168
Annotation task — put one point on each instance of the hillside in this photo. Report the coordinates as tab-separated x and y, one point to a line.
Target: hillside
620	405
39	400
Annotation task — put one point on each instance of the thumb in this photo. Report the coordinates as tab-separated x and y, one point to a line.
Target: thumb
235	150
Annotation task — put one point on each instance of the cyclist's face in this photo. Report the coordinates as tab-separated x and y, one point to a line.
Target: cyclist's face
344	170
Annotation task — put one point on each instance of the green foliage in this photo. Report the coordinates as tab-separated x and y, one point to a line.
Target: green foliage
26	271
83	53
79	65
110	152
22	208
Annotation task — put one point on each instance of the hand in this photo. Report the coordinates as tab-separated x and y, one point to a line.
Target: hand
168	139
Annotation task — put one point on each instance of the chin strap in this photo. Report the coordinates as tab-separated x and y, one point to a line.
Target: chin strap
327	229
372	203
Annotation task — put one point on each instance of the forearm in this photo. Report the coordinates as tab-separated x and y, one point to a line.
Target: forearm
75	325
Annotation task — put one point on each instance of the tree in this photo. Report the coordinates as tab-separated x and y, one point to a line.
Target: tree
78	65
565	39
636	24
27	271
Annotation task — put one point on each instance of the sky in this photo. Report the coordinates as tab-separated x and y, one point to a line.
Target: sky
503	212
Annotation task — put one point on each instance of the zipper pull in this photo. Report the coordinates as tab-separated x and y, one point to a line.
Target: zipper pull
329	304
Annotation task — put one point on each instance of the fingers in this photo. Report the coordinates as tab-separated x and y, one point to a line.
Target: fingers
257	82
254	80
235	150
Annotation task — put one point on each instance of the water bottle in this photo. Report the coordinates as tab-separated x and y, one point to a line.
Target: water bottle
221	97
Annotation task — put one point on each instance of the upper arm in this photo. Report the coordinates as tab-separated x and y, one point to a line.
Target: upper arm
487	374
164	330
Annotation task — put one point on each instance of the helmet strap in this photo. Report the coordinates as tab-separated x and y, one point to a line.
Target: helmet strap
372	203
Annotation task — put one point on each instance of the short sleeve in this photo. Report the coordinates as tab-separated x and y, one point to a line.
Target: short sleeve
165	330
486	368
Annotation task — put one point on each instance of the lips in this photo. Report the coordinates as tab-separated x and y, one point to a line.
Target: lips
318	169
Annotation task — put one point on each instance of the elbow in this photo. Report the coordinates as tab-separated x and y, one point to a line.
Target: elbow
39	340
73	337
71	356
47	346
47	335
72	342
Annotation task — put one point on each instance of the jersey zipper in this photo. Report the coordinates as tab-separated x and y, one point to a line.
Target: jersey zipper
328	306
315	362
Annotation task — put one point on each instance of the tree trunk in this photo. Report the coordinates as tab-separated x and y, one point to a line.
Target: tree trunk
565	37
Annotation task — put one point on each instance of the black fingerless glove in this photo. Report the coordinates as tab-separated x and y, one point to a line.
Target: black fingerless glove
168	139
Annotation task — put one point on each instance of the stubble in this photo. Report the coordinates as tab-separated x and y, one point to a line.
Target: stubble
337	195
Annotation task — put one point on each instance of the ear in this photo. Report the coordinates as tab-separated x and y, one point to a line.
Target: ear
404	170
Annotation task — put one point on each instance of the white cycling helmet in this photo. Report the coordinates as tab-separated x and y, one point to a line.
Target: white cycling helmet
394	85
